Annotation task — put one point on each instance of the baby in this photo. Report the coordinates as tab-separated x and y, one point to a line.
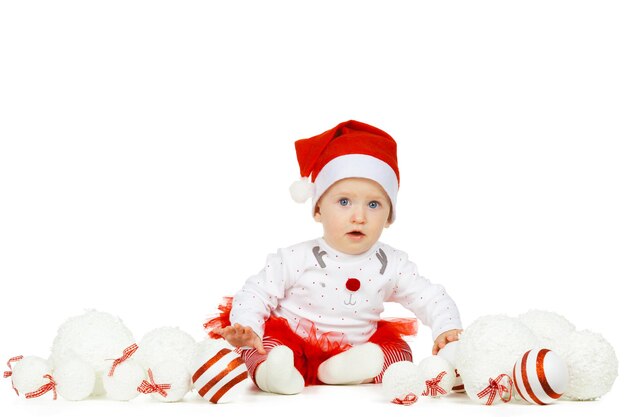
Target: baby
312	315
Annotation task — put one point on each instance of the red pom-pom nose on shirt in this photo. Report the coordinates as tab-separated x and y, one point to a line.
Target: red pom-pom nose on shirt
353	284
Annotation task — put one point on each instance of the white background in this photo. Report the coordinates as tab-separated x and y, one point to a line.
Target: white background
146	150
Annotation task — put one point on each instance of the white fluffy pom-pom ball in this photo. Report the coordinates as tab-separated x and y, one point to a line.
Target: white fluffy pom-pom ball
301	190
29	374
486	354
165	344
217	372
401	383
592	365
168	381
436	376
94	337
448	352
549	327
123	383
75	379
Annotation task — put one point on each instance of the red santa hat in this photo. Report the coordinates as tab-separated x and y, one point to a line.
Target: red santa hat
349	150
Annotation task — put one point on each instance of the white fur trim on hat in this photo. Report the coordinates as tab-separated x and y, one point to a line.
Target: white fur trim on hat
357	166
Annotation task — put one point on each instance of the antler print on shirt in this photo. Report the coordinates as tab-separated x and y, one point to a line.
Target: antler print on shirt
318	255
382	257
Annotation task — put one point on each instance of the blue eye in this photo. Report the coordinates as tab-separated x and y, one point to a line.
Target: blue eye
344	202
374	204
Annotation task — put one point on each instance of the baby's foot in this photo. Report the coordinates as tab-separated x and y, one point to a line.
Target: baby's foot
278	374
354	366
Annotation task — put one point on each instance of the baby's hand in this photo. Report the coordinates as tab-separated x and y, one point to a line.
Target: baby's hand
444	338
239	336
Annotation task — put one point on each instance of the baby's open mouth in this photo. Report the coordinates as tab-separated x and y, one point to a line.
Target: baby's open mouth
356	233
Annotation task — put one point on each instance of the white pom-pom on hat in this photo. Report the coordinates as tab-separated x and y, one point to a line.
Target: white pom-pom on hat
301	190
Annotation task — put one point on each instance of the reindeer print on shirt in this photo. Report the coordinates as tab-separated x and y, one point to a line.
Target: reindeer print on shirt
317	288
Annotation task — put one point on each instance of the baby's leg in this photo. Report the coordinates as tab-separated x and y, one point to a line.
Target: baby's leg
394	351
275	371
354	366
363	363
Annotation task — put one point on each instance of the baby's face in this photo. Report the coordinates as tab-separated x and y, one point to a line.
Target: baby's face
353	213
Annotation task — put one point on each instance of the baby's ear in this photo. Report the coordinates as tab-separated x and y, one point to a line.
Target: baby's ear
317	215
389	218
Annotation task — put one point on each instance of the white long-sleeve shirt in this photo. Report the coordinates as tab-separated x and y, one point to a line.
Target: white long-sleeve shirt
312	283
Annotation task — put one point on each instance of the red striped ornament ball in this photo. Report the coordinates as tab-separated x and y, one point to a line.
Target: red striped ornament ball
540	376
218	374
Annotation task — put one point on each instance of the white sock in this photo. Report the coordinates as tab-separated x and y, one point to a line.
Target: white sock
278	374
354	366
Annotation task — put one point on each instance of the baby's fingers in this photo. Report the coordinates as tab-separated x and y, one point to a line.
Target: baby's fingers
258	345
228	332
453	337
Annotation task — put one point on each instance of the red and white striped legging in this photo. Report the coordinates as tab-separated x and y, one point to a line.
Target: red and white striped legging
394	351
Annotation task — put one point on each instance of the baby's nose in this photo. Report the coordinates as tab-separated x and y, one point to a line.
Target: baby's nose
358	215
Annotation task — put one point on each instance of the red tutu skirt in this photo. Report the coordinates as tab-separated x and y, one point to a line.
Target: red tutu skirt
309	352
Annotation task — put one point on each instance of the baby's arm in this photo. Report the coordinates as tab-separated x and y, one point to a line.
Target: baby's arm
445	338
430	302
253	304
239	336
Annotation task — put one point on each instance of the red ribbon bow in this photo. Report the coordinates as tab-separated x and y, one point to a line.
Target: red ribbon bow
432	386
495	388
128	352
150	387
7	374
408	399
50	386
